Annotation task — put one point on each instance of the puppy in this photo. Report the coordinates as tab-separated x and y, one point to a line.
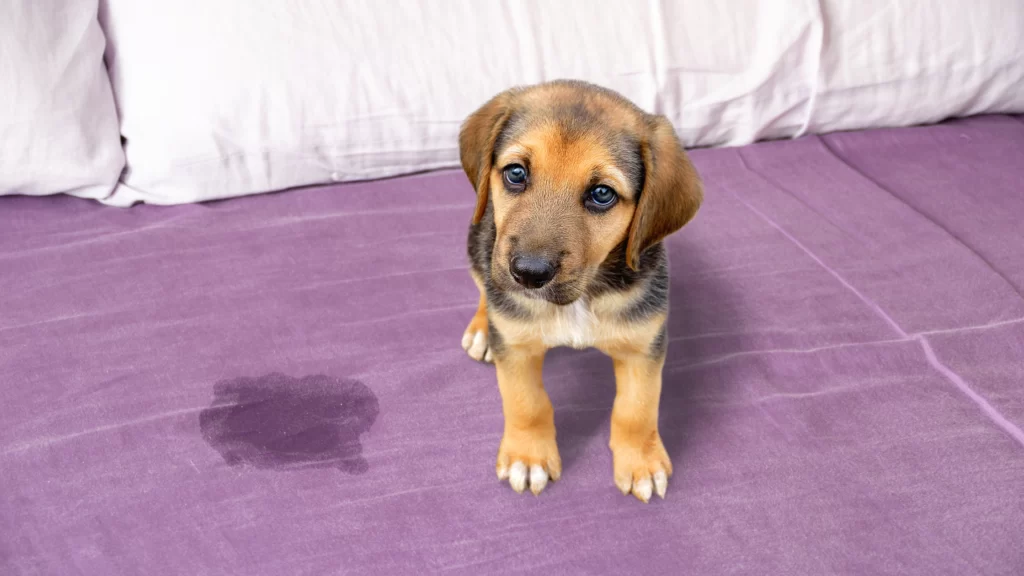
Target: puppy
575	189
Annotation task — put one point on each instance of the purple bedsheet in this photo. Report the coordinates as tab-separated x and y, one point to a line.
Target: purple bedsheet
274	385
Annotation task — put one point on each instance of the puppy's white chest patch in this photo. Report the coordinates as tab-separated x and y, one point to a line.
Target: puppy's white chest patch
573	325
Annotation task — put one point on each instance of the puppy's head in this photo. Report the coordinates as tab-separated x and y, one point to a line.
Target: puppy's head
573	171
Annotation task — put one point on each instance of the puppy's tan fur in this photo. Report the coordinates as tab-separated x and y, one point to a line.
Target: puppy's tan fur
610	290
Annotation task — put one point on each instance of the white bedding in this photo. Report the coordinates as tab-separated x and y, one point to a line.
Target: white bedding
222	98
58	125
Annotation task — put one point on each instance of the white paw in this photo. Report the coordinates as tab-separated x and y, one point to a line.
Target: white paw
475	344
520	478
641	468
644	486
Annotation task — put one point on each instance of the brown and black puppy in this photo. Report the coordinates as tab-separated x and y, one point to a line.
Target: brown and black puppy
576	187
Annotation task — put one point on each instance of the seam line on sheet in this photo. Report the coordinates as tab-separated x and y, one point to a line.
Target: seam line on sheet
766	351
996	324
994	415
987	409
22	447
769	351
869	302
937	331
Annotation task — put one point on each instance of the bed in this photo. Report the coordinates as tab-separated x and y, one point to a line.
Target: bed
273	384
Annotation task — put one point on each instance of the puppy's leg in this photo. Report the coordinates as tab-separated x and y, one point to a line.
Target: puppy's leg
474	339
528	455
642	465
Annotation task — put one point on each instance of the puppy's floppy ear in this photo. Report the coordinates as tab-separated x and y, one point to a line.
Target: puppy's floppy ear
476	146
671	194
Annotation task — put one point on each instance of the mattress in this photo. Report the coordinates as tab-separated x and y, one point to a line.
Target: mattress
274	384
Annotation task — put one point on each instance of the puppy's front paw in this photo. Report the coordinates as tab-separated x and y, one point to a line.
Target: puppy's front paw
528	459
474	340
641	467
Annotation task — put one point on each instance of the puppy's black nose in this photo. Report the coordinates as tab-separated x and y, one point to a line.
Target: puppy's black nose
532	271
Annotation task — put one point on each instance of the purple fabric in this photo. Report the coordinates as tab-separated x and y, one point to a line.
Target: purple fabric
274	384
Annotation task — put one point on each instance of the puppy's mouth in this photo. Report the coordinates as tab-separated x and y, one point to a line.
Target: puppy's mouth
558	292
561	294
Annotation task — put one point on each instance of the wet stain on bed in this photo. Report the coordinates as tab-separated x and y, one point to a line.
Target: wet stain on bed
281	423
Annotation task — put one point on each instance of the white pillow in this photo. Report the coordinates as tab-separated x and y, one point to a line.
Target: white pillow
58	124
222	98
891	63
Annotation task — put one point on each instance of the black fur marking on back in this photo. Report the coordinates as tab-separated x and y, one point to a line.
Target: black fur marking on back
651	273
660	345
653	301
494	339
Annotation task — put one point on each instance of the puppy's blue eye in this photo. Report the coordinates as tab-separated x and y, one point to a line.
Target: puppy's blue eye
515	175
602	196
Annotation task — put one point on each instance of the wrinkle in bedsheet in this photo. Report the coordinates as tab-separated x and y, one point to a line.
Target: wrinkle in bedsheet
952	234
955	379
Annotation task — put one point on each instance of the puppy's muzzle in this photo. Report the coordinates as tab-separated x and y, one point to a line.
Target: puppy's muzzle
532	271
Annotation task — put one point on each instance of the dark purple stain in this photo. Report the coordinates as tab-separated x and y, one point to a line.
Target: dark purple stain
281	423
